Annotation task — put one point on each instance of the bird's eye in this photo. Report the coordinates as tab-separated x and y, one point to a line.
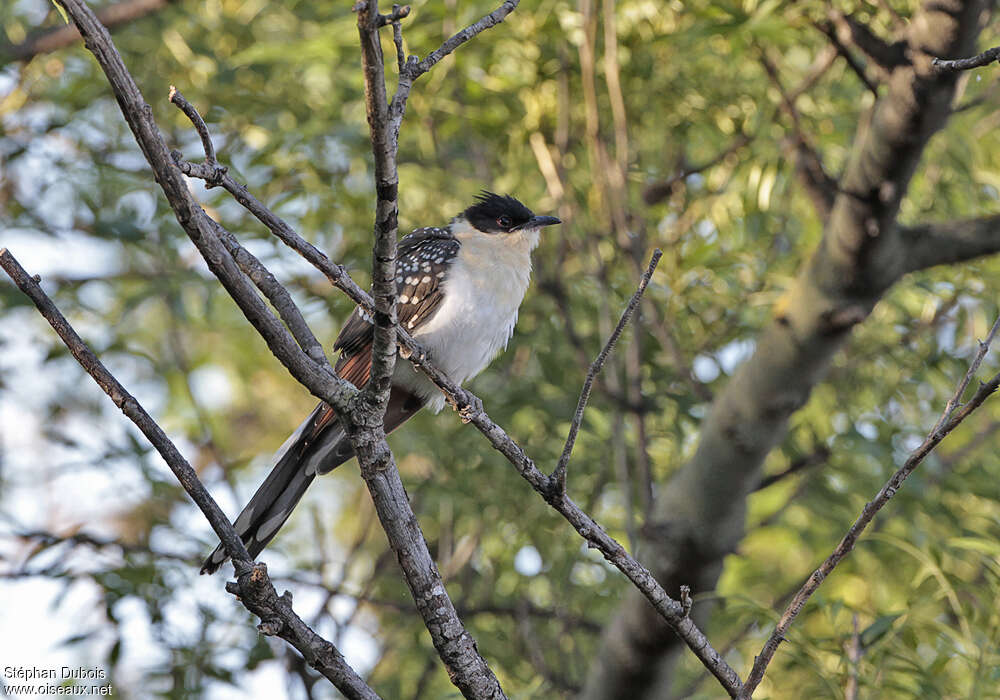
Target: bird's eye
504	221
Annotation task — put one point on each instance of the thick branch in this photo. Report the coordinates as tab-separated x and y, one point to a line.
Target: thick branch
384	130
255	589
928	245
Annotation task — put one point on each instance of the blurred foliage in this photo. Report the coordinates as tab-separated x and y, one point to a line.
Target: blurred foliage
281	89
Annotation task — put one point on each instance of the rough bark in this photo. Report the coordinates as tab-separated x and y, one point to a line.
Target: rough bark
700	516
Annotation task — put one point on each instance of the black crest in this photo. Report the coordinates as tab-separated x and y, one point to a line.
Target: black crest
494	213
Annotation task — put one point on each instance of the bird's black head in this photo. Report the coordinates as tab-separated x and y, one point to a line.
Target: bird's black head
494	213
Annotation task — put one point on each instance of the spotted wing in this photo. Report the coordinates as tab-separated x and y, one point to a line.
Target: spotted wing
422	262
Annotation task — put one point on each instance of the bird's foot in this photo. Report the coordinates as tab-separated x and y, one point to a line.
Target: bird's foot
472	408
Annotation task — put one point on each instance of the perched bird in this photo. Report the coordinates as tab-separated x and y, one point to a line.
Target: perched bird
459	291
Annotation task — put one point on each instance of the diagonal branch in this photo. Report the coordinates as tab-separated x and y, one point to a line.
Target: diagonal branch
418	68
658	191
254	587
830	31
954	413
559	475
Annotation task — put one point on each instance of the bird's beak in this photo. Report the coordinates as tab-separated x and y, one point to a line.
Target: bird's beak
539	221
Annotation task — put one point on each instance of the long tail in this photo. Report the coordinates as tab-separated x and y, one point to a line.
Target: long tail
318	446
315	446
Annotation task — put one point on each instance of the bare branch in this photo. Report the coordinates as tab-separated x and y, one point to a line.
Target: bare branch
955	412
279	297
384	130
131	408
398	12
200	126
254	587
820	455
195	222
416	69
959	64
397	40
559	474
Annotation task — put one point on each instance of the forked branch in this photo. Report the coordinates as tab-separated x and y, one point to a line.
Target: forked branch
253	585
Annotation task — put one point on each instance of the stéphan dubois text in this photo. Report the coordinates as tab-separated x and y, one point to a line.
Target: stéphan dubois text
27	673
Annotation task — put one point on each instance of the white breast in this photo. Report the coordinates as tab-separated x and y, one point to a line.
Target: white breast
482	293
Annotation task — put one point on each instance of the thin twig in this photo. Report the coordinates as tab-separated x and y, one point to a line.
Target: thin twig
199	124
397	34
954	413
959	64
418	68
559	474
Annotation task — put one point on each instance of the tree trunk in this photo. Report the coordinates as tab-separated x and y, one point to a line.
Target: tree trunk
699	517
